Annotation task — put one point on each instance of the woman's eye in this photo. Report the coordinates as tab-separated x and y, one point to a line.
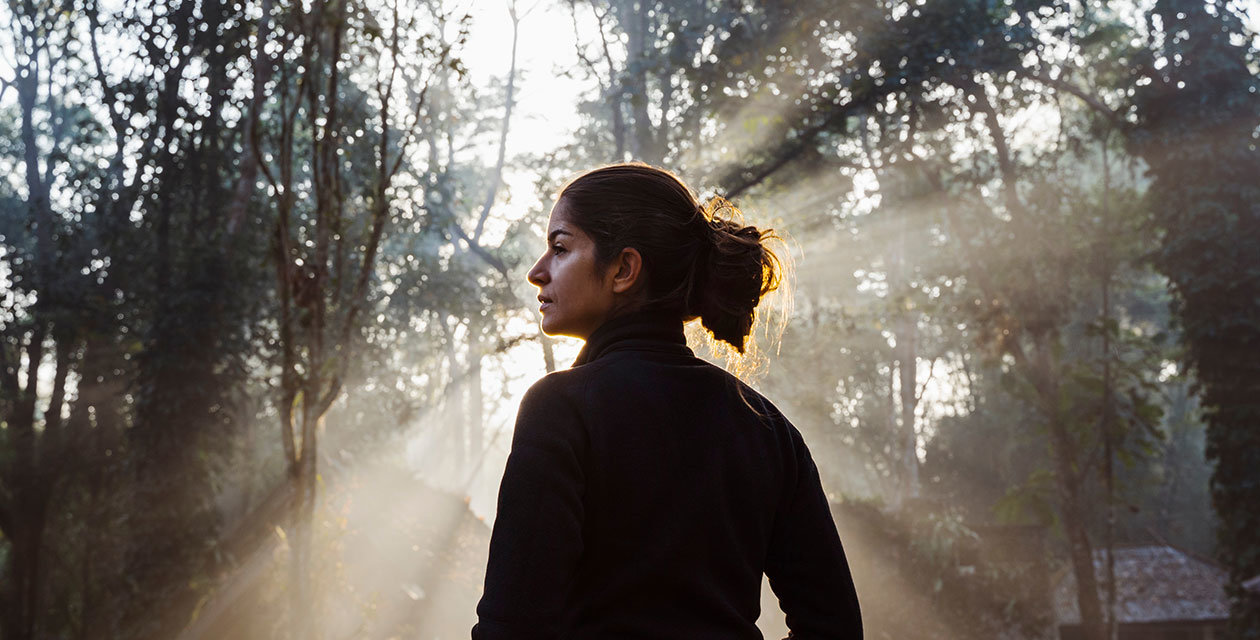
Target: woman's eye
555	248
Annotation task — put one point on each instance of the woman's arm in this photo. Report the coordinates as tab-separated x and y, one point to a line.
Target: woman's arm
537	536
806	563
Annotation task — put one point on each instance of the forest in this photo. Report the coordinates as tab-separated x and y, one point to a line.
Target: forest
264	320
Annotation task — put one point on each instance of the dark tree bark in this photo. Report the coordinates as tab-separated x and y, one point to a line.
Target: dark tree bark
28	475
1198	117
323	284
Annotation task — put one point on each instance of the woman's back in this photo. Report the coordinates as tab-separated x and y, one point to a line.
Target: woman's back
647	491
645	497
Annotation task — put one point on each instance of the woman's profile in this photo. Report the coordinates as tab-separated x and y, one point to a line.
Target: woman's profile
647	490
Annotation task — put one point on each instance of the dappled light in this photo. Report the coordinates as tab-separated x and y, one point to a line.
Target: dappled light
265	323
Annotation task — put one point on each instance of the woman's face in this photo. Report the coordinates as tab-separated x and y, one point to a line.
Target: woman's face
576	297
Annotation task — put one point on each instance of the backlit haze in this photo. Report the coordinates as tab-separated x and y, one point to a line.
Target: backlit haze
264	321
544	118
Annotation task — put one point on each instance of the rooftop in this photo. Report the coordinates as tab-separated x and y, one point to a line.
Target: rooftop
1153	584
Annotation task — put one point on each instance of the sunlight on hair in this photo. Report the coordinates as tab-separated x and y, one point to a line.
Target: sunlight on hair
771	315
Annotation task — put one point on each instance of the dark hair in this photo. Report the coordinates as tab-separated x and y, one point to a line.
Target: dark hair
700	260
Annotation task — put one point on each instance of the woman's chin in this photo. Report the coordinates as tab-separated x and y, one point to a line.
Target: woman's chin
557	330
551	327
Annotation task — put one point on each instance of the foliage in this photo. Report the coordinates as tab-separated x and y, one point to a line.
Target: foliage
1025	230
1012	240
1199	113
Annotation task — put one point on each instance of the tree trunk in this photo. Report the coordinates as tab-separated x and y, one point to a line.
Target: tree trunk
1065	456
645	148
456	403
22	574
304	604
1044	371
1082	554
1107	426
24	514
905	330
94	434
476	353
907	367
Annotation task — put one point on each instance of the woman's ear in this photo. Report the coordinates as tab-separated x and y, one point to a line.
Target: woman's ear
626	270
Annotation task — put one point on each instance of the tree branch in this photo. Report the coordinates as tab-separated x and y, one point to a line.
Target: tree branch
581	51
250	157
1092	101
744	179
503	132
481	252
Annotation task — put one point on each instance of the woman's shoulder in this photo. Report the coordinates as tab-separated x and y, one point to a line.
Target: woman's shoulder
554	386
565	386
626	379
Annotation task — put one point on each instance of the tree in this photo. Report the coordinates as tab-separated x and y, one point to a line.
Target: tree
937	72
122	269
329	219
35	318
1199	113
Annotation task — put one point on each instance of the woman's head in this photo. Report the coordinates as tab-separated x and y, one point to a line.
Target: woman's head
646	243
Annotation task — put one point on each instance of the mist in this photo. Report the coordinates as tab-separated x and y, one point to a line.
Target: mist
264	319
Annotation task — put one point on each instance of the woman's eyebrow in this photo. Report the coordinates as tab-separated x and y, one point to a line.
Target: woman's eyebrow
551	237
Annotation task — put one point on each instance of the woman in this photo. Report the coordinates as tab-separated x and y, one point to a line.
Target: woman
647	491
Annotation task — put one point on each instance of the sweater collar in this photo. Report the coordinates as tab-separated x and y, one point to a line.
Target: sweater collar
638	330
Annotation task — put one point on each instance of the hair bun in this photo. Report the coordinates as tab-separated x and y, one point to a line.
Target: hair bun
735	271
699	260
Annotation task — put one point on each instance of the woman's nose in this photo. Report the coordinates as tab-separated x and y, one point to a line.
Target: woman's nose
537	275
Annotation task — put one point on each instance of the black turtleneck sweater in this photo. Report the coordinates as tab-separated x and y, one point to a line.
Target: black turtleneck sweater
646	493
